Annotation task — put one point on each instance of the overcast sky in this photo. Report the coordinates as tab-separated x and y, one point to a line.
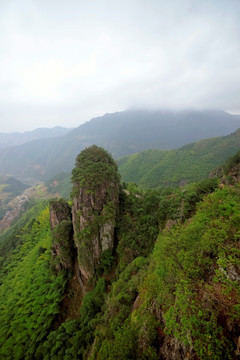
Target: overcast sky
63	62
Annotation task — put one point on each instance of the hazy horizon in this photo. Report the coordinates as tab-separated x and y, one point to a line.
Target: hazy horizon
63	64
136	109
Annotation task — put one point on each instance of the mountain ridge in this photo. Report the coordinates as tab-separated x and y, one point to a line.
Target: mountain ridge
121	133
19	138
189	163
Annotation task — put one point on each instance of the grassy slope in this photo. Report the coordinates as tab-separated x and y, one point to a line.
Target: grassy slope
190	163
29	293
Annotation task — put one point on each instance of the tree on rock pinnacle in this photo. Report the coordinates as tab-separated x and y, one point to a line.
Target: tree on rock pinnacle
95	205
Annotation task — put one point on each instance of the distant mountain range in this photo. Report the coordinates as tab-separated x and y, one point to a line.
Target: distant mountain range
17	138
120	133
166	168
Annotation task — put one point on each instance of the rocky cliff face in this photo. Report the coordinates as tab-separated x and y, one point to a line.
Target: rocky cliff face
95	206
62	235
59	210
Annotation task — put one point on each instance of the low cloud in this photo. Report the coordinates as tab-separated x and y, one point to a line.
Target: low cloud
62	64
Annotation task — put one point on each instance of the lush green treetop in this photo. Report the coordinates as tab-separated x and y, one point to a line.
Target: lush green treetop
94	166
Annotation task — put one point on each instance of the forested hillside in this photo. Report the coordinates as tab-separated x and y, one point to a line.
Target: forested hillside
167	287
30	292
120	133
193	162
156	168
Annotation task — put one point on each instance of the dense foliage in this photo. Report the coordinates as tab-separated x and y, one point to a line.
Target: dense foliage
170	288
12	238
193	277
30	294
231	163
74	336
190	163
94	166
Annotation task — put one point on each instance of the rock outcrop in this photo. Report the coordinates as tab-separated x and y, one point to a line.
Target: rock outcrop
95	206
59	210
62	235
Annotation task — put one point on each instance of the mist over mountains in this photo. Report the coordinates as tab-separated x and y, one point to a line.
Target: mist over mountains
121	133
17	138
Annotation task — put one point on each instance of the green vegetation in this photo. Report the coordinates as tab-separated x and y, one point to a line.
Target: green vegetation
12	238
95	206
60	184
94	167
192	269
137	226
115	337
190	163
62	246
62	235
121	133
231	163
73	337
60	209
169	288
30	294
